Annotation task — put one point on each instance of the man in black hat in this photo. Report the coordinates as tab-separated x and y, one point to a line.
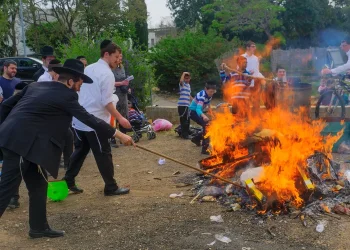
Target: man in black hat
46	56
32	141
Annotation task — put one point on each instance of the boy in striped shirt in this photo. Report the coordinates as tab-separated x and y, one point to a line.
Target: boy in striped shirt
184	103
236	85
199	104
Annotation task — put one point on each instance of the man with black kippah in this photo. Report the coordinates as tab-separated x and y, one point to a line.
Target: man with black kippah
97	99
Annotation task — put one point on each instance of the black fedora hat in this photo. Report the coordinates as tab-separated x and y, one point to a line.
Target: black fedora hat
74	67
46	51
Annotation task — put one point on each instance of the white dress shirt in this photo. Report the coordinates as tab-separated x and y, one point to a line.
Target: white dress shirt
94	97
342	68
253	64
46	77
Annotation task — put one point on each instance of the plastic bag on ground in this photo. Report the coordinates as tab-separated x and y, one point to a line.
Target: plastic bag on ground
161	125
216	218
222	238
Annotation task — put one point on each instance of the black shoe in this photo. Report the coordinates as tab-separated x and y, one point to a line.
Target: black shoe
13	203
76	190
196	141
205	152
119	191
45	233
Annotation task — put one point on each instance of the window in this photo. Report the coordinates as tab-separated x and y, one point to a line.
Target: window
24	62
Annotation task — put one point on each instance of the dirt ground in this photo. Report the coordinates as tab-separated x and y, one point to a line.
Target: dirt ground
148	219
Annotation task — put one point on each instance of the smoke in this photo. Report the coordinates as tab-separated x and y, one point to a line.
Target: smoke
331	37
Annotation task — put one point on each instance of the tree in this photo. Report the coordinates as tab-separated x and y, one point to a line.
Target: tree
187	12
45	34
194	52
10	10
136	11
316	15
99	16
233	18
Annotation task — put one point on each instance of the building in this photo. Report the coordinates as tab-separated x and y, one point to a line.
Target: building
155	35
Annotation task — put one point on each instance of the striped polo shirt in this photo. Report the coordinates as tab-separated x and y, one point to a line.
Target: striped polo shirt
200	102
239	84
185	95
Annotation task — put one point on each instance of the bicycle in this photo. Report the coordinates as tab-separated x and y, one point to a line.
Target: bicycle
332	99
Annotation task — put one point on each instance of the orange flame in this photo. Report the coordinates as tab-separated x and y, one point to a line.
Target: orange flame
298	138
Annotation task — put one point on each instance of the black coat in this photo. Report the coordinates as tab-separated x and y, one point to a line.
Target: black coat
34	123
39	73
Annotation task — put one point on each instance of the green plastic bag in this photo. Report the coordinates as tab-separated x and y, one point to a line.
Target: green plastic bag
57	190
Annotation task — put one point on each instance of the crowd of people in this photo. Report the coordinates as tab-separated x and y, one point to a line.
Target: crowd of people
40	120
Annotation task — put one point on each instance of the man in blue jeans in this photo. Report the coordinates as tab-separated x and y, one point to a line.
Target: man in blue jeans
199	104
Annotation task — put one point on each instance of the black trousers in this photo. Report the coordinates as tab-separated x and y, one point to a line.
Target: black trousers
83	142
68	147
11	176
184	120
200	136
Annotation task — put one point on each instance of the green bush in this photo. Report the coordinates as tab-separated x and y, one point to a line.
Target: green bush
139	66
191	51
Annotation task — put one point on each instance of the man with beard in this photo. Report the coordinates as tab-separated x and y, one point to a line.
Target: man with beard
8	81
97	99
32	141
47	55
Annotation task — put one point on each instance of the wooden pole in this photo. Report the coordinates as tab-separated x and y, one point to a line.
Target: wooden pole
189	166
253	77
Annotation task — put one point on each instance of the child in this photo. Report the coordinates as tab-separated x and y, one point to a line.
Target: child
236	85
184	103
135	118
199	103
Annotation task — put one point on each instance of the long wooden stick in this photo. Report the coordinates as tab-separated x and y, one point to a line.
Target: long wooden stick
189	166
253	77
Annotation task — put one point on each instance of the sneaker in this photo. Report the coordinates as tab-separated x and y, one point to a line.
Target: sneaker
76	190
13	203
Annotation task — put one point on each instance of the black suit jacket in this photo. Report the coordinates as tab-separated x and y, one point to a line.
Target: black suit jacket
34	122
38	74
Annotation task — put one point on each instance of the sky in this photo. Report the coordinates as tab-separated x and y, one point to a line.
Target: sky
157	10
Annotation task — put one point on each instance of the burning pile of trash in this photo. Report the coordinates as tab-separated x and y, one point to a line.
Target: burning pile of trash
280	162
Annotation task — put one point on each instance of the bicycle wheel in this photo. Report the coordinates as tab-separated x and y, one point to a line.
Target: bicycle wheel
330	107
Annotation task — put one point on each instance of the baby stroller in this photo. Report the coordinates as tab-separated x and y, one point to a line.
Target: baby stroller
139	122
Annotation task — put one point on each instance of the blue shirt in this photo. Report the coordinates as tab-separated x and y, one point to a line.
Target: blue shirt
8	86
185	95
239	84
200	102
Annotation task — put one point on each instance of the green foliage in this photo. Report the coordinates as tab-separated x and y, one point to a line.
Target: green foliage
233	18
139	66
187	13
316	16
52	34
194	52
136	13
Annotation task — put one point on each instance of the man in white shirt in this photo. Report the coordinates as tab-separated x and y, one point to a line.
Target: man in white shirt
98	100
345	46
253	67
50	75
